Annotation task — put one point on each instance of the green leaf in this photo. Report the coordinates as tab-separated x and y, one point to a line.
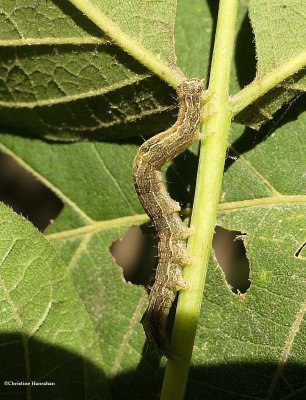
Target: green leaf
46	334
283	17
279	30
255	341
99	205
74	83
32	23
194	33
262	182
264	185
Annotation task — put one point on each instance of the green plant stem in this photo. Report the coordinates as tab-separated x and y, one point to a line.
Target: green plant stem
172	75
209	180
260	86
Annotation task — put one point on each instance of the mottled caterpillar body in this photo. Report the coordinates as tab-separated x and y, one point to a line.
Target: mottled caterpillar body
164	211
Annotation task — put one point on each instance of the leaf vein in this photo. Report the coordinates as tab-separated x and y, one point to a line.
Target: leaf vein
256	172
113	179
294	329
78	253
134	319
75	97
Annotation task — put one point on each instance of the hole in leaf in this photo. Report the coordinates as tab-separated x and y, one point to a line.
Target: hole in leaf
136	253
26	195
231	255
301	251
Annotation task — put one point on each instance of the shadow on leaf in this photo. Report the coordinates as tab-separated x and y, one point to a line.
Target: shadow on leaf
233	381
181	178
68	375
251	138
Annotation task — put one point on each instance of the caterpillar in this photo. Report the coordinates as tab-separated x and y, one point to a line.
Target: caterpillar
164	211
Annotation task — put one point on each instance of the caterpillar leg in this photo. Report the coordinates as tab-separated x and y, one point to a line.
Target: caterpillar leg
181	284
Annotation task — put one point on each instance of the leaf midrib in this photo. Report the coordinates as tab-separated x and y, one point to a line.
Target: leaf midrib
99	226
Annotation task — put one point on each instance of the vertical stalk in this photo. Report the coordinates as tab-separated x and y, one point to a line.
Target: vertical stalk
209	181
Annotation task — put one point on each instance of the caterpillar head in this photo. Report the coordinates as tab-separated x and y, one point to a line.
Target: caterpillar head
190	87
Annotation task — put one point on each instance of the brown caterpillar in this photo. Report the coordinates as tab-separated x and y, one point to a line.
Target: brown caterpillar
164	211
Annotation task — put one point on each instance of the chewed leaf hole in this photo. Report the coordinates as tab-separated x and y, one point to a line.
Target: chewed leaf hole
231	255
136	253
27	195
301	251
